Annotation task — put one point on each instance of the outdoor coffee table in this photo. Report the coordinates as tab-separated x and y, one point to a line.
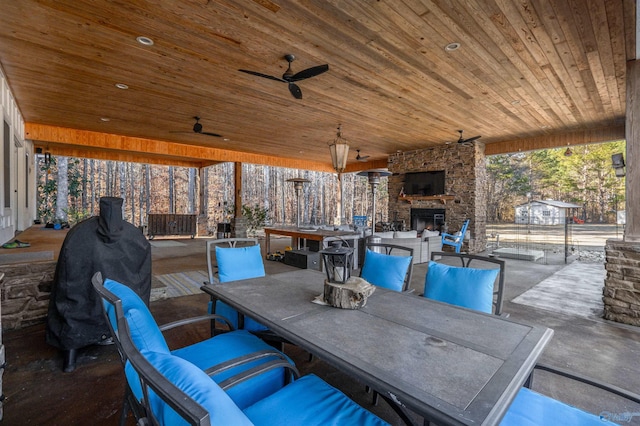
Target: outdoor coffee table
448	364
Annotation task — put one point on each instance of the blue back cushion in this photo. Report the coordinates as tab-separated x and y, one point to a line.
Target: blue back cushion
385	270
195	383
144	330
239	263
467	287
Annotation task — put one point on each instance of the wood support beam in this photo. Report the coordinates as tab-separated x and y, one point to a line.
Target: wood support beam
64	141
583	137
237	173
632	194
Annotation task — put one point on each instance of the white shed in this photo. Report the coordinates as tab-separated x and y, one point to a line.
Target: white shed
544	212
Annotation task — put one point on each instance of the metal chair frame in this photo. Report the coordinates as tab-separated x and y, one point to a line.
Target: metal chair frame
140	411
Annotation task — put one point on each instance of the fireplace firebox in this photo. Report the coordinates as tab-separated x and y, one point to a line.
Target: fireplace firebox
431	219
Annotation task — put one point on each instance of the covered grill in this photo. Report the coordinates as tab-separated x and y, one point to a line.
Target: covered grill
104	243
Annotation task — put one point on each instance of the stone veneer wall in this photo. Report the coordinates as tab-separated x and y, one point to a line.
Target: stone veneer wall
25	293
465	179
621	294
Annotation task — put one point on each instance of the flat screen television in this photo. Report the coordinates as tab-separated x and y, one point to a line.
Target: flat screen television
424	183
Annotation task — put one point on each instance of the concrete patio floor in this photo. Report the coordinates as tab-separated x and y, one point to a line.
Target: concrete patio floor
38	392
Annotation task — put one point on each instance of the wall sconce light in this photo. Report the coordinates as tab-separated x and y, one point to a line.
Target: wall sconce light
339	150
617	162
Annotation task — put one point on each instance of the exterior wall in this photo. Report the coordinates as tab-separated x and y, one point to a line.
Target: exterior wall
14	215
622	284
465	180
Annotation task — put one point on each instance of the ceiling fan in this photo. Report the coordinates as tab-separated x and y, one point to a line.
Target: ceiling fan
467	141
197	128
290	78
362	158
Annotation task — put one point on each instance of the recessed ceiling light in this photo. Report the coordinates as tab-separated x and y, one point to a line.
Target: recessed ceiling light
122	86
452	46
144	40
105	119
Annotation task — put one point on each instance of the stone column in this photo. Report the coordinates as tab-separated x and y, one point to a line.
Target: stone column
622	284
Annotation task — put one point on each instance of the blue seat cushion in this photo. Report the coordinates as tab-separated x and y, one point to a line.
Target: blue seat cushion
223	347
213	351
385	270
195	383
529	408
467	287
239	263
310	401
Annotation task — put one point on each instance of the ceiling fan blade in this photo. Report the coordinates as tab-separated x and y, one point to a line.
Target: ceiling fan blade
211	134
263	75
295	91
309	72
472	139
362	158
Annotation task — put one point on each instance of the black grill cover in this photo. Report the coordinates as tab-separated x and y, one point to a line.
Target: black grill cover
105	243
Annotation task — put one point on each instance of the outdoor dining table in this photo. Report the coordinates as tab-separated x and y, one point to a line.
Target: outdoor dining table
448	364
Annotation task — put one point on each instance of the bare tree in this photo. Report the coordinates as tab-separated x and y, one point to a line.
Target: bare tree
62	202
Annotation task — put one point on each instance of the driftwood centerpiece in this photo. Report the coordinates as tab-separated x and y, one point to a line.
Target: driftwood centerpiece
351	295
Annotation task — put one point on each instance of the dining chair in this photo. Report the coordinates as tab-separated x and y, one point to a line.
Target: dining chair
238	358
480	287
176	393
233	264
456	240
534	408
388	266
477	289
224	242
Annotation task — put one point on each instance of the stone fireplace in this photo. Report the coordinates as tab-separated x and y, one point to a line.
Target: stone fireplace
464	191
431	219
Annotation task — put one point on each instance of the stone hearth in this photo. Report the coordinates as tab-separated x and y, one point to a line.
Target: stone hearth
465	195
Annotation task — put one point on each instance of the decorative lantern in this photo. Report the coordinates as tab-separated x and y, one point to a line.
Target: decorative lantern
338	261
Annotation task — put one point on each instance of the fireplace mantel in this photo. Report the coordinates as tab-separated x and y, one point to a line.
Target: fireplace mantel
442	198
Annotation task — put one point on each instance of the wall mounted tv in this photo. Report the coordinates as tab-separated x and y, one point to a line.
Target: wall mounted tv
424	183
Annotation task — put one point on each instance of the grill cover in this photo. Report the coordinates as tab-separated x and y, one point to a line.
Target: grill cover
104	243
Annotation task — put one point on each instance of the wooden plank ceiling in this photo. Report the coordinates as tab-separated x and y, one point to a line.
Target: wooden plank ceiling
527	74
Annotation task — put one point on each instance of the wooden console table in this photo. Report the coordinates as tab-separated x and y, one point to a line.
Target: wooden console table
322	235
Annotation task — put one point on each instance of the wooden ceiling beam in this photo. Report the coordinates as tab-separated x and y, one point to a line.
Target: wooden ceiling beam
118	147
583	137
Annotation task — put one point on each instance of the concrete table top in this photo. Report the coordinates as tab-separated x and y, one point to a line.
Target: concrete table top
449	364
